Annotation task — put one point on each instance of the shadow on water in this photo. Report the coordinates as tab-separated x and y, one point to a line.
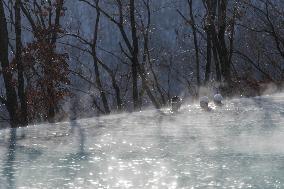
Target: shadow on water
75	126
268	108
73	161
9	166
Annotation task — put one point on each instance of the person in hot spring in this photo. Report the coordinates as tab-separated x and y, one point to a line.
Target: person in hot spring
218	99
204	101
175	103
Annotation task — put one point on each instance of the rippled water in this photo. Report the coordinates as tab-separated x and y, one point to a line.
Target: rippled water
240	145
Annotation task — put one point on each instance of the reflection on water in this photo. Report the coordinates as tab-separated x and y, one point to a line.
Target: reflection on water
237	146
9	167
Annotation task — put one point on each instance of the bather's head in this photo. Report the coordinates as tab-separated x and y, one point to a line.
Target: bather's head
218	99
175	103
204	101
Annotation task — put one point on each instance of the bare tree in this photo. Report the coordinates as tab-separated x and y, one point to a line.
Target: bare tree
217	31
10	101
132	44
20	67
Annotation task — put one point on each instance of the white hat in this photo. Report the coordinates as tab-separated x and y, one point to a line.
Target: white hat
204	99
218	98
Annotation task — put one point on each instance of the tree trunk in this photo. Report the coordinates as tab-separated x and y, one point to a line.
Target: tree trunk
209	57
146	87
99	85
59	7
21	80
56	25
135	63
96	66
218	38
117	93
223	51
11	96
217	65
193	26
114	84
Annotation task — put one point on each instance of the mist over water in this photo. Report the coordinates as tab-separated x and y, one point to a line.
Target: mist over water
239	145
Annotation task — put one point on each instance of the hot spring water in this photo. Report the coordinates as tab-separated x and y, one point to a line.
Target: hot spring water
240	145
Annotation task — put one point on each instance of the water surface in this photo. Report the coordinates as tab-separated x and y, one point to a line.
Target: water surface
240	145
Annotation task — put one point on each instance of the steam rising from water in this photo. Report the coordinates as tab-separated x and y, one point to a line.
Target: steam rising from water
239	145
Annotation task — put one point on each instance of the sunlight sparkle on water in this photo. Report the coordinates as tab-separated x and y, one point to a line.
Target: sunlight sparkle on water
240	145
